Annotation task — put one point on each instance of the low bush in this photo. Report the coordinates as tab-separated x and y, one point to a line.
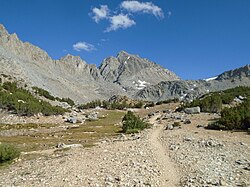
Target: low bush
236	118
92	104
67	100
213	102
43	93
110	105
175	100
150	104
133	123
8	152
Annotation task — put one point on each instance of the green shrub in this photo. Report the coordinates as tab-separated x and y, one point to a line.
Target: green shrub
110	105
92	104
212	102
236	118
8	152
43	93
133	123
67	100
138	105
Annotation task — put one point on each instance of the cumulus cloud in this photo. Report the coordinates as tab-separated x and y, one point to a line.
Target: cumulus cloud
83	46
100	13
120	21
144	7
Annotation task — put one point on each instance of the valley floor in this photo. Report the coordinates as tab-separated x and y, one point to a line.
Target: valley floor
182	156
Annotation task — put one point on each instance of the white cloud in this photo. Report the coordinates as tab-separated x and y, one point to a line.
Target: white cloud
120	21
100	13
104	40
147	7
79	46
169	14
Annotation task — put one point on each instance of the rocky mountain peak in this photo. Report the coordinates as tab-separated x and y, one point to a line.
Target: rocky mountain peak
3	31
73	60
123	54
132	72
236	73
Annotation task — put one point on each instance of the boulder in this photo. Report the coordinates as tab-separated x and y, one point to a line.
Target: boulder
71	120
63	145
93	116
193	110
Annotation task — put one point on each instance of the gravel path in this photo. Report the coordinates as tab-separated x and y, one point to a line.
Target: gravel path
169	175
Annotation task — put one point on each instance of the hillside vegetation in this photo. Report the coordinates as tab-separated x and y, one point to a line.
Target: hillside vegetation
236	117
213	102
23	103
111	105
47	95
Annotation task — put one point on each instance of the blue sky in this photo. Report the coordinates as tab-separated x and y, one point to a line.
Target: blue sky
196	38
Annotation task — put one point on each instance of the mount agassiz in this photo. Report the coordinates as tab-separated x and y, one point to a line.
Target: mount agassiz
124	74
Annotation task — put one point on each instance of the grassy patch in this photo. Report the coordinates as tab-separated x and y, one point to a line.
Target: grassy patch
87	134
25	126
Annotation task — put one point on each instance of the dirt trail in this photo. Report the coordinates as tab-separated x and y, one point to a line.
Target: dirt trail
169	176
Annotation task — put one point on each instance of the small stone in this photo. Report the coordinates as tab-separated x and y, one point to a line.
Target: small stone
170	127
222	182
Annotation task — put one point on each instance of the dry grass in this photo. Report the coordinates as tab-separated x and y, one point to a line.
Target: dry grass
86	134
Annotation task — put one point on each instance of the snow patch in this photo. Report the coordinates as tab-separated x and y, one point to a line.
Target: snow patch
183	96
212	78
140	84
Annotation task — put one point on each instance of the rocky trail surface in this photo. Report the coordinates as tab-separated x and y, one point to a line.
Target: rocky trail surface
169	175
184	155
127	160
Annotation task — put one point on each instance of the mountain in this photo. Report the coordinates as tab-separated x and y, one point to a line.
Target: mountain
188	90
133	73
70	76
126	74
